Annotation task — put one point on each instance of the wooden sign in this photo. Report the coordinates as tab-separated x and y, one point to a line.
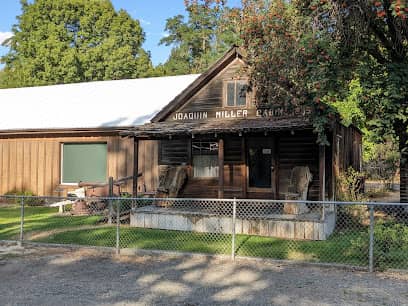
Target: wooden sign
225	113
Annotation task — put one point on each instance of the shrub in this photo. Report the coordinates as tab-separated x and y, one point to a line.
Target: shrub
31	199
352	217
390	244
349	186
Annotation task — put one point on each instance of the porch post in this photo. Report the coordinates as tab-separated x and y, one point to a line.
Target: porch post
322	172
243	168
221	168
403	174
135	165
334	166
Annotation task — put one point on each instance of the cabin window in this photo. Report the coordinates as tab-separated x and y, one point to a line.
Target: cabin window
205	159
236	93
84	162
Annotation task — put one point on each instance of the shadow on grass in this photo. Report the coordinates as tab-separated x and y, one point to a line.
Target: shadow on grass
338	248
45	225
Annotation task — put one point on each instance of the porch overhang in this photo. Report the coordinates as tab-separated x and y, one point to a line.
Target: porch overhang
173	128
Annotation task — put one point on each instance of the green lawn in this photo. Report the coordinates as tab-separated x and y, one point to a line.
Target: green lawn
37	219
45	225
337	249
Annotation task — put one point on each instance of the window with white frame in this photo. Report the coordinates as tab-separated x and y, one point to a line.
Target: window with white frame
83	162
236	93
205	159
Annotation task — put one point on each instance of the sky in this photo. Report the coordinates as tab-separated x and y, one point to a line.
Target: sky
152	15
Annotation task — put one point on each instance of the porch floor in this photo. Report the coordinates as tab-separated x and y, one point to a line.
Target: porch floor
307	226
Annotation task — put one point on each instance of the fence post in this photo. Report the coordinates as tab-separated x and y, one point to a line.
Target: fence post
110	200
234	215
20	243
371	247
118	227
323	216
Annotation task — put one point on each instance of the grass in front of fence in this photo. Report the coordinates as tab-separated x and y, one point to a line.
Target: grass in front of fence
338	248
46	225
341	247
37	219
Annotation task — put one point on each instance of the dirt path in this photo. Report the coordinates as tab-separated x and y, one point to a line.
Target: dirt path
62	276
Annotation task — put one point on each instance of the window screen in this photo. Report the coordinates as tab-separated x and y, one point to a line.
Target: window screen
241	94
84	162
205	159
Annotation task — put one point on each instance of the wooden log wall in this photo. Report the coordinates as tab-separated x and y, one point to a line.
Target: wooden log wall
299	149
234	178
34	164
174	151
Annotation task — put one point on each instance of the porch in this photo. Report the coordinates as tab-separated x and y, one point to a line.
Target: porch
237	159
248	217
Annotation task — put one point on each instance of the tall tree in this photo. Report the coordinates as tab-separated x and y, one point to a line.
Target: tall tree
292	60
309	50
210	29
64	41
376	32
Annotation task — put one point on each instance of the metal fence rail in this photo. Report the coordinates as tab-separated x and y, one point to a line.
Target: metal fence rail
371	235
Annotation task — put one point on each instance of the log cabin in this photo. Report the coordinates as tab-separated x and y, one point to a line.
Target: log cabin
53	137
231	147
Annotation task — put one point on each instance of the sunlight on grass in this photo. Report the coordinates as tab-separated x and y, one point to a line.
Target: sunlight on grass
46	225
37	219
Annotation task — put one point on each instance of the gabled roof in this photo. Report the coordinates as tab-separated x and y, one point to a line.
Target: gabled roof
200	82
103	104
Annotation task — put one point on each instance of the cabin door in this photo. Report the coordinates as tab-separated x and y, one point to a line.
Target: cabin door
260	163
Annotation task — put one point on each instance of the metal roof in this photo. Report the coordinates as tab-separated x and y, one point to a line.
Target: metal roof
101	104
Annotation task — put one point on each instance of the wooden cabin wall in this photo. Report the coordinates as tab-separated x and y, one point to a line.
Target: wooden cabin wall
234	167
404	180
178	151
33	164
148	166
346	151
348	148
210	97
299	149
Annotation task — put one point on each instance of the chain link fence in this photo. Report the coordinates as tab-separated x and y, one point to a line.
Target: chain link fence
371	235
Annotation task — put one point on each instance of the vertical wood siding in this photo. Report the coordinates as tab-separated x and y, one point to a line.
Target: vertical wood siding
148	167
404	180
33	164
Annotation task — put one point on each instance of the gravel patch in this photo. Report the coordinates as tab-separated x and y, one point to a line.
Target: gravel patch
38	275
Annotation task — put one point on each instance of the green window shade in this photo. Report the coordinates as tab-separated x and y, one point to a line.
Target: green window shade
241	94
231	93
84	162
